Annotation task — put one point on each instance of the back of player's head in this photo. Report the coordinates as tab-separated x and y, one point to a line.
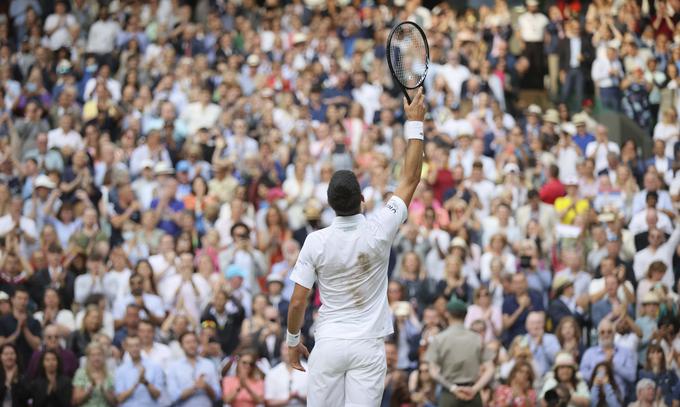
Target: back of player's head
344	193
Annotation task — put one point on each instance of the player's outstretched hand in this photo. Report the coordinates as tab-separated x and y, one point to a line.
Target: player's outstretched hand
416	110
294	356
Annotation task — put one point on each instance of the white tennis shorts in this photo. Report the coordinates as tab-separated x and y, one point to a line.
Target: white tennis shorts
346	373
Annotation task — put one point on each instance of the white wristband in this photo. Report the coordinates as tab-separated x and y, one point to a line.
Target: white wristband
292	340
413	130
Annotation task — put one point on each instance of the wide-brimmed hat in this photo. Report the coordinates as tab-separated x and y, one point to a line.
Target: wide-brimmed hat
565	359
551	116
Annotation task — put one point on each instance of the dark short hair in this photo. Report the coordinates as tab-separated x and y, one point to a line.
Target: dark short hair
238	224
344	193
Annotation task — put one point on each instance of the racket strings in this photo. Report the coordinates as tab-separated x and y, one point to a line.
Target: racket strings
409	56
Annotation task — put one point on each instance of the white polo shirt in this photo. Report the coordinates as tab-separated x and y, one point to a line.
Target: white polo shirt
349	260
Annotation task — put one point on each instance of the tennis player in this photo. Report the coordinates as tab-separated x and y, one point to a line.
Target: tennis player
348	260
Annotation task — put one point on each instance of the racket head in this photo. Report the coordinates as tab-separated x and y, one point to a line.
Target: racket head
408	55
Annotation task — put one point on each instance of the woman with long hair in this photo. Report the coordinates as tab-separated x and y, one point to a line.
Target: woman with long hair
51	388
52	313
568	333
257	321
246	388
519	391
655	369
565	374
92	324
13	389
603	389
143	268
483	309
418	288
422	386
92	384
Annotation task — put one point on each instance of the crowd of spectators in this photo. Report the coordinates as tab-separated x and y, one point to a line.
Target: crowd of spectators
162	162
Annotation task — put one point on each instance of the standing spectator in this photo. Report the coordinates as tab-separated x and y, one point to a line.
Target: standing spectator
51	388
19	328
138	382
607	73
532	25
284	385
246	388
192	380
93	384
575	52
519	390
517	305
14	390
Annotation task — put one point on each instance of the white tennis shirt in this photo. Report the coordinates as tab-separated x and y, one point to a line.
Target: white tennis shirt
349	260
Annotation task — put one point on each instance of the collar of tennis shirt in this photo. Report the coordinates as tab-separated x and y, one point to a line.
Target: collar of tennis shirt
345	221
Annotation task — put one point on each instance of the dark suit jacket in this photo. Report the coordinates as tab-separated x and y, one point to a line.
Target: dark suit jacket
59	398
41	280
558	310
564	51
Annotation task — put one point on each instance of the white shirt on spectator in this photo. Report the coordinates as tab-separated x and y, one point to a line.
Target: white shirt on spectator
57	138
87	284
61	37
663	253
196	116
281	381
112	86
599	151
102	36
175	288
600	72
368	96
152	302
638	223
532	26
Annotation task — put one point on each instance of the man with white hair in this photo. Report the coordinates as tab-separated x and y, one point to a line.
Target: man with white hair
645	390
623	360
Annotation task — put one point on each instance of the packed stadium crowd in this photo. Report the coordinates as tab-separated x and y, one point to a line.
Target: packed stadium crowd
163	161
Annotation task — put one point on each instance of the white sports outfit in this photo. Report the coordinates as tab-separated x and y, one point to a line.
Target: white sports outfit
349	261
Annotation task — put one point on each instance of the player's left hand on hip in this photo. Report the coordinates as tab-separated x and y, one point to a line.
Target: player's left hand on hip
294	356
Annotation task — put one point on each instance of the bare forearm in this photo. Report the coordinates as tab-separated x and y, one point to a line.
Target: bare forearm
485	377
296	314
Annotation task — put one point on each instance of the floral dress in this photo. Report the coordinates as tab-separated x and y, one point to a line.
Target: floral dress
97	399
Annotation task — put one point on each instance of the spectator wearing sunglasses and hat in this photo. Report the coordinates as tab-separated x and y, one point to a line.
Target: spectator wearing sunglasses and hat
565	373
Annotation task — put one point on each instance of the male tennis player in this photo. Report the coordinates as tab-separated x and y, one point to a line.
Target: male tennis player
349	262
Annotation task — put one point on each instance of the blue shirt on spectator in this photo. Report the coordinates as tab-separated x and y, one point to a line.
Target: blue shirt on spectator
166	224
181	375
624	362
127	376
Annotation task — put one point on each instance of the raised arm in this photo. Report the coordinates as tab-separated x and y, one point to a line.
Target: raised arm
413	161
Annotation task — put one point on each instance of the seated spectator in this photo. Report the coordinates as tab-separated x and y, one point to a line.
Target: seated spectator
565	373
93	383
564	304
604	390
517	305
484	310
620	363
544	346
568	333
52	313
421	385
519	390
13	387
51	386
68	363
647	394
663	380
92	325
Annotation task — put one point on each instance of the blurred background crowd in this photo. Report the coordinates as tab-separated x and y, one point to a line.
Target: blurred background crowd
162	162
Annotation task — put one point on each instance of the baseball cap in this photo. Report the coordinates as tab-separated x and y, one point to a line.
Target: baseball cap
44	181
235	271
183	166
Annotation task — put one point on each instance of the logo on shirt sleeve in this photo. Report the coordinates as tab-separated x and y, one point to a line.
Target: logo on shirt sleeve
391	207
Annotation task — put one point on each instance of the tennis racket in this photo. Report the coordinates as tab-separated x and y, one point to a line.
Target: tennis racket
408	56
